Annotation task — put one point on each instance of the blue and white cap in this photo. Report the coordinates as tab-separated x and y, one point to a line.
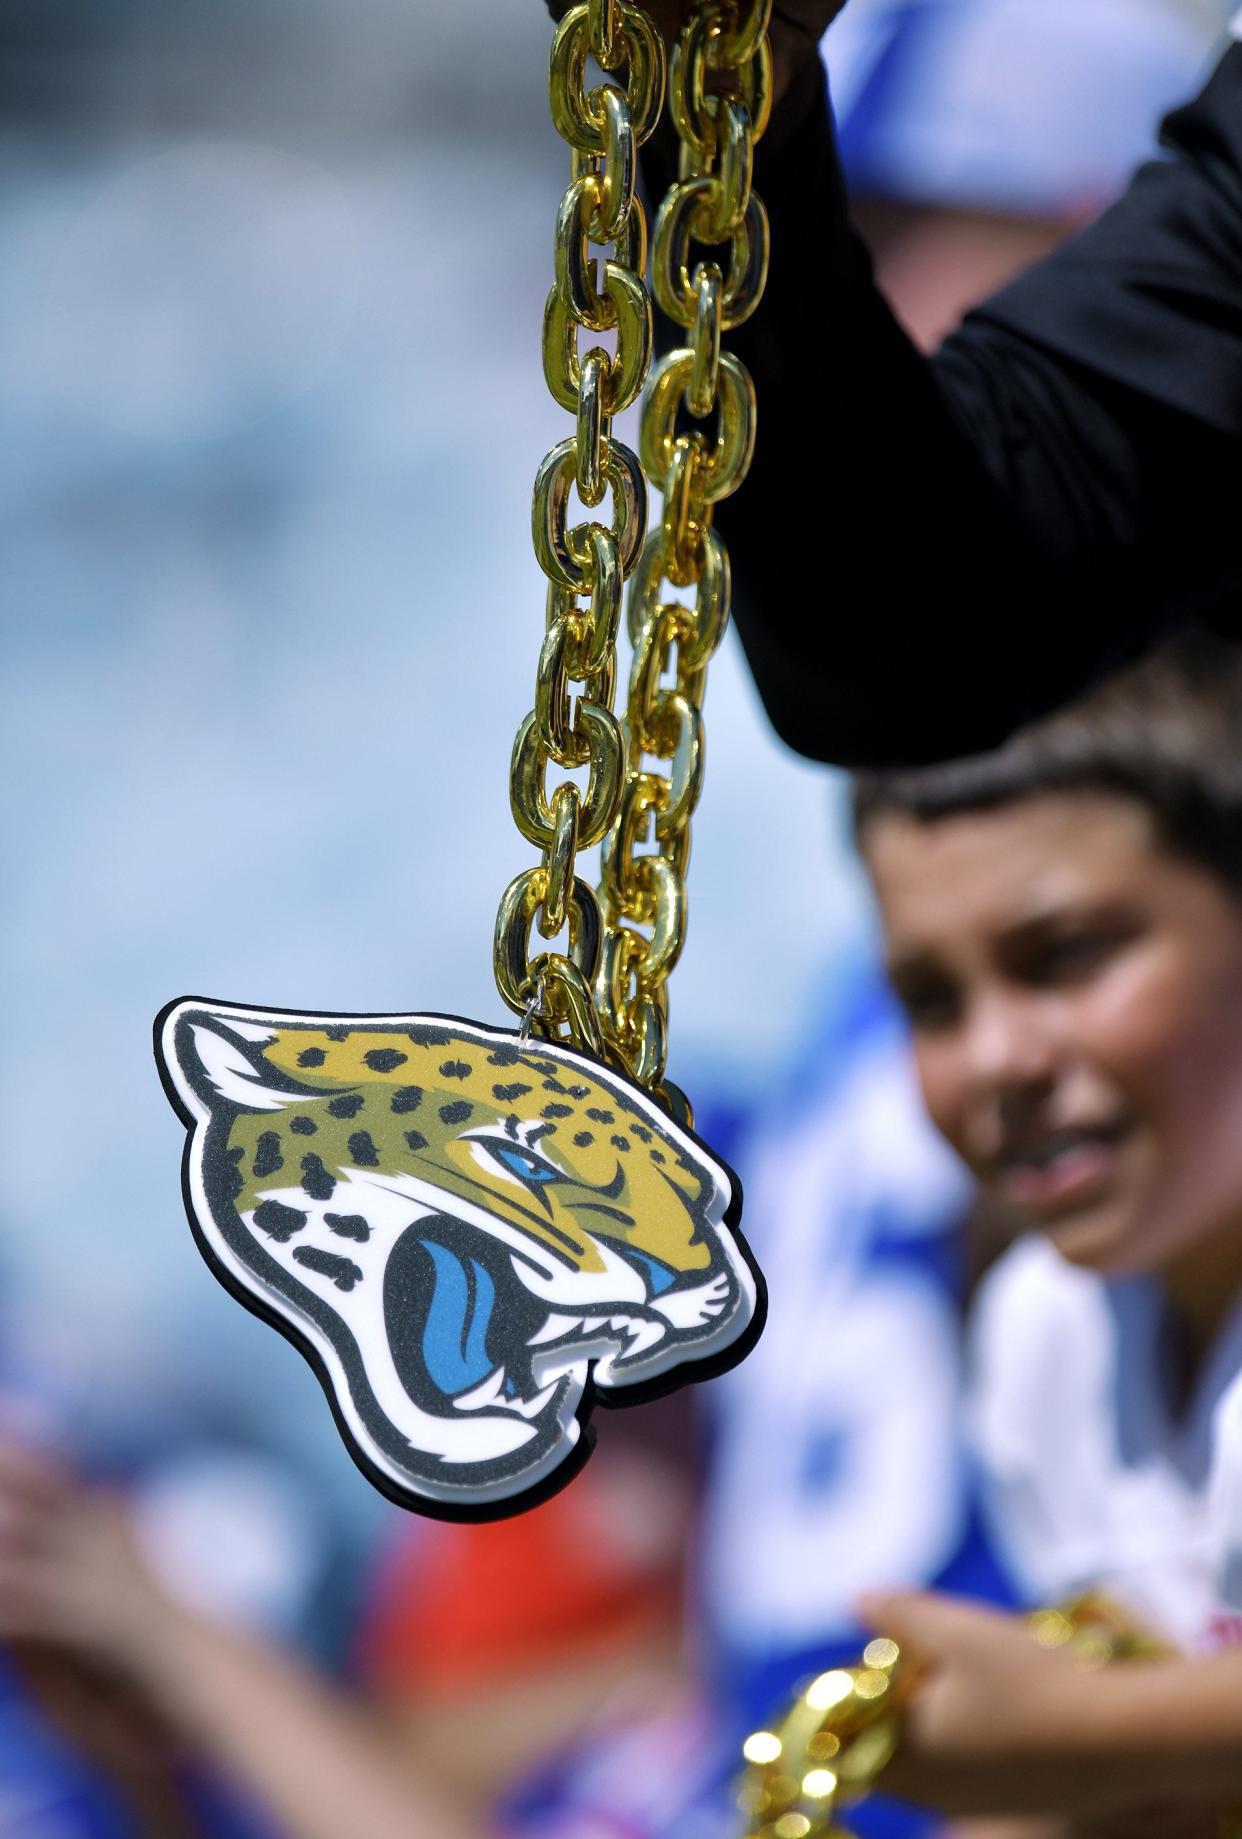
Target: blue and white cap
1034	107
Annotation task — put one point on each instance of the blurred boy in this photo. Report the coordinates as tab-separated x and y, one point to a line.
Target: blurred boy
1063	922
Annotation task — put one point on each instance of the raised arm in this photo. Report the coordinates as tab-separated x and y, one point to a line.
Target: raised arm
72	1577
929	551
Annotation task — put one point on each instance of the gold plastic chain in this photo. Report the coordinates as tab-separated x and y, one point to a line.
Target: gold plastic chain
587	562
607	993
831	1747
828	1749
720	81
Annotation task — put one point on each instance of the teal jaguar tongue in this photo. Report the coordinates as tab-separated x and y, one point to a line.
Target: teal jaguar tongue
455	1332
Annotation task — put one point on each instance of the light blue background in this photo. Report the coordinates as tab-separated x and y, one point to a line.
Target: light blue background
272	400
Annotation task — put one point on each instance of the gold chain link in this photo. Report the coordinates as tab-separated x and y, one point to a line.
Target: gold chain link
572	723
608	993
720	82
840	1732
832	1743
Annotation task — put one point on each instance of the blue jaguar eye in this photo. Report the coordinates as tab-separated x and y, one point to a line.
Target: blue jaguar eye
521	1163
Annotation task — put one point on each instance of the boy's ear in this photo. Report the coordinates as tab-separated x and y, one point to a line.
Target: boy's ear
219	1055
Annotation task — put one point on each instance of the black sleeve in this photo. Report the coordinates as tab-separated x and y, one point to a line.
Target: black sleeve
929	551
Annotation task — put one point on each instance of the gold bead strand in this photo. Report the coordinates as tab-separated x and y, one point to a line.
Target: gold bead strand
827	1751
572	723
719	96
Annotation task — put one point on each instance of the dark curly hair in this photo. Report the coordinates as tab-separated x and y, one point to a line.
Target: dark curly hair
1166	733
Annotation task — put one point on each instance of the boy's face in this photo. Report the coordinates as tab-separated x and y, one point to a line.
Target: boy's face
1075	995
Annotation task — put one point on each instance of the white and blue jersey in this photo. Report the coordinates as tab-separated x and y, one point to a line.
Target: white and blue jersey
1097	1474
838	1461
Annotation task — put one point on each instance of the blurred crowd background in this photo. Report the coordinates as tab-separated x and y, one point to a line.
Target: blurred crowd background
269	376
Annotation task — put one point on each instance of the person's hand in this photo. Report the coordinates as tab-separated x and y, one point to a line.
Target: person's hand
995	1723
75	1601
796	29
71	1570
998	1725
804	19
1154	1822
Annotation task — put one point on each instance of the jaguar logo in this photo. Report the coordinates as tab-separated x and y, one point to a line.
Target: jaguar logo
473	1239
